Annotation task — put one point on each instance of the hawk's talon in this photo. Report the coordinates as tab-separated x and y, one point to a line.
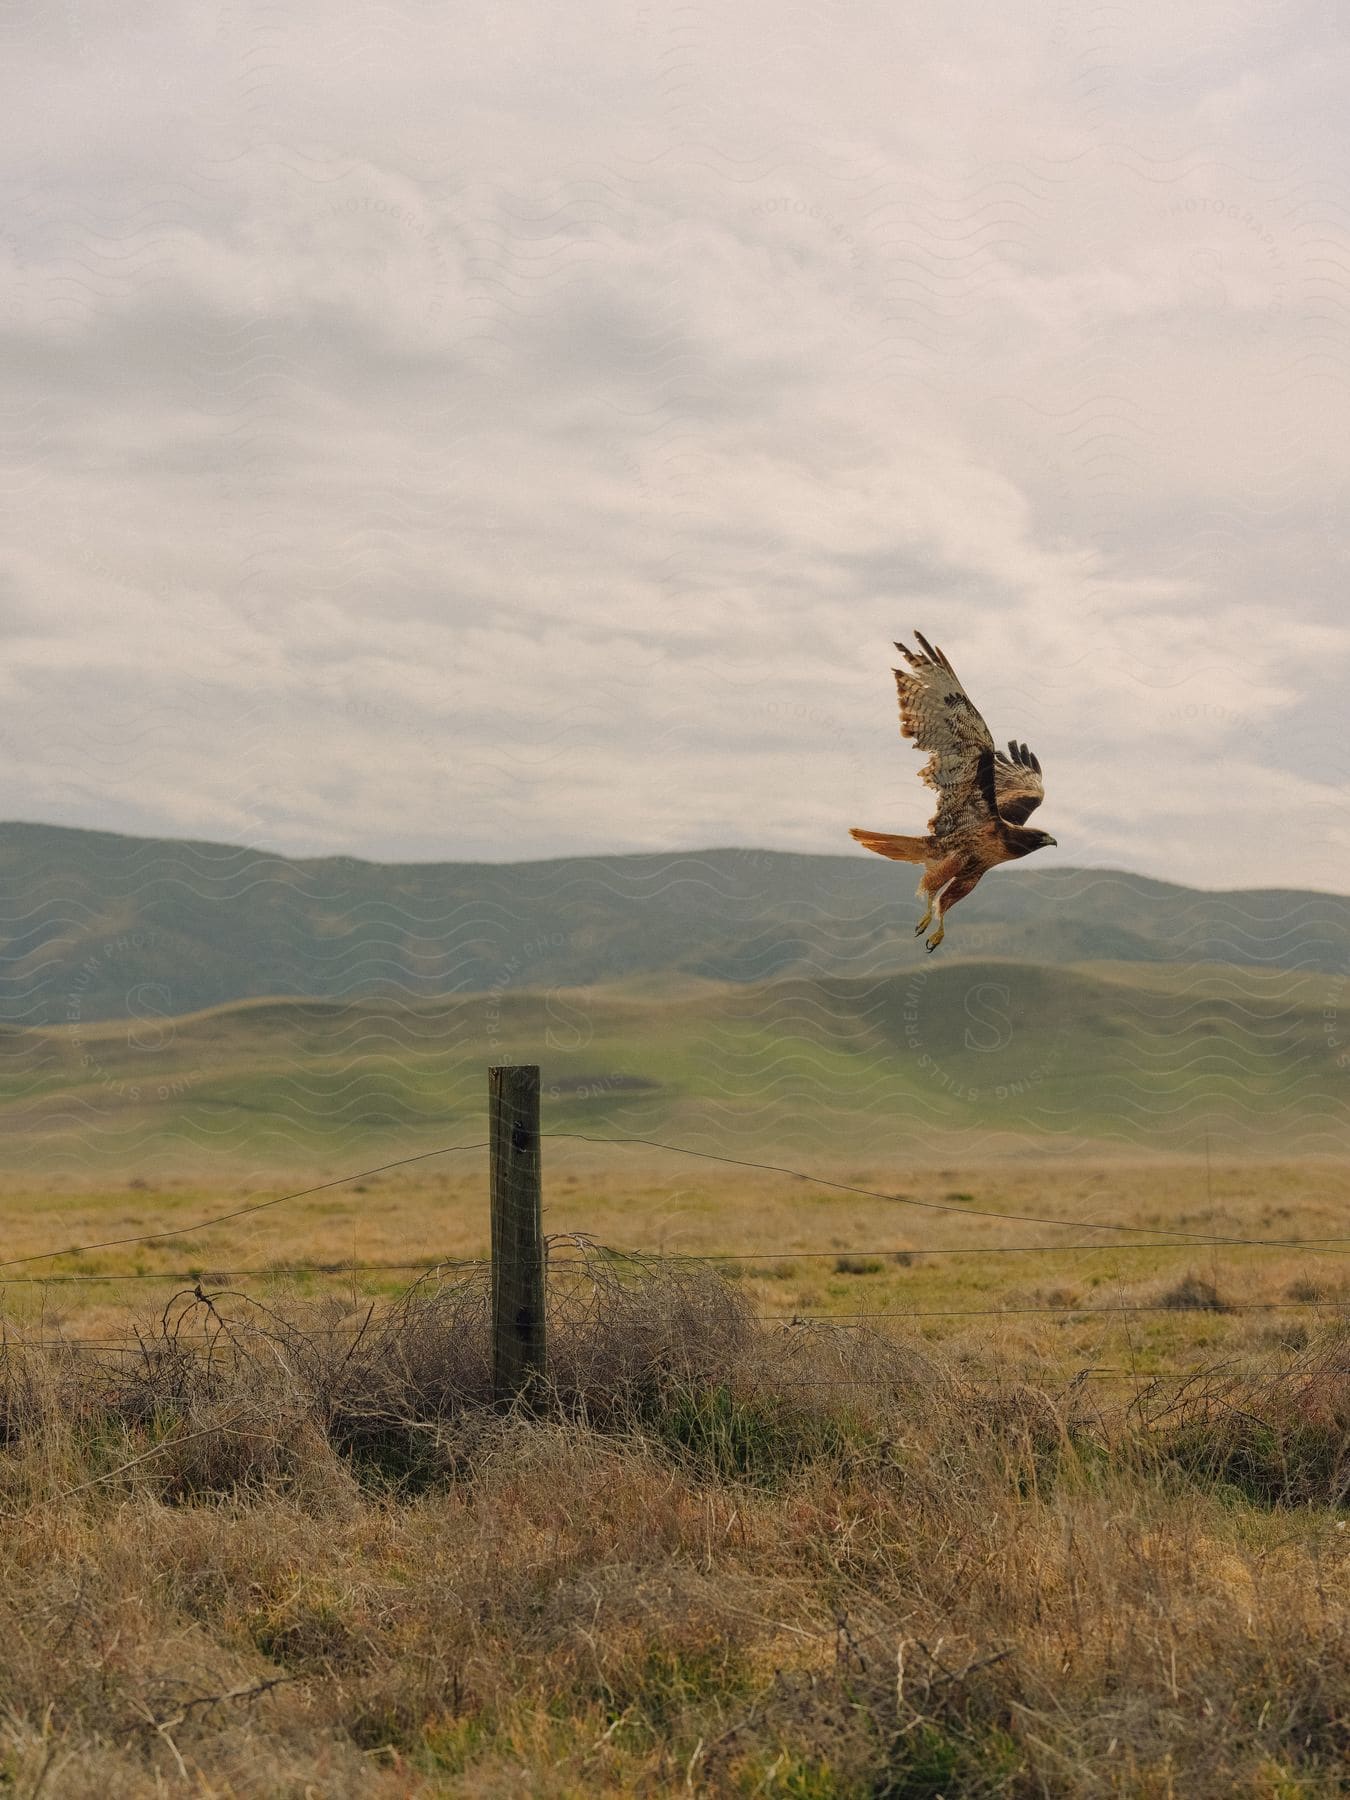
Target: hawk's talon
936	939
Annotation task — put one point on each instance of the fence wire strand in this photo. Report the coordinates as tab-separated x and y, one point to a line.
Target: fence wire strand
1338	1246
239	1212
1173	1239
1145	1238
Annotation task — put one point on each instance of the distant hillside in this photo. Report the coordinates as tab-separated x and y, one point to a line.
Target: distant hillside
97	925
1000	1058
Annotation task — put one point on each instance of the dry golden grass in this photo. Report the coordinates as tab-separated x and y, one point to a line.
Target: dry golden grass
311	1559
1079	1298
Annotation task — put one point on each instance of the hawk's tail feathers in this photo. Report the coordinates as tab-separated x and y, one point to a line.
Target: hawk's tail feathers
899	849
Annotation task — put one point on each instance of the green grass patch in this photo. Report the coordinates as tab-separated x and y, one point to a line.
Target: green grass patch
729	1436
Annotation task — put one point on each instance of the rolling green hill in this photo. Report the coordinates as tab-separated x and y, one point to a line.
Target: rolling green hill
1011	1057
99	926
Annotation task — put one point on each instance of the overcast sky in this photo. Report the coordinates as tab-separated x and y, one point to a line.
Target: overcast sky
498	431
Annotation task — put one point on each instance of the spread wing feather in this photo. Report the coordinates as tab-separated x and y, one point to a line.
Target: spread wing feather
1017	782
937	713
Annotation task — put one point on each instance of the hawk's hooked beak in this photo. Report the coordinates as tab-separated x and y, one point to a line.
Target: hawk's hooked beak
1055	842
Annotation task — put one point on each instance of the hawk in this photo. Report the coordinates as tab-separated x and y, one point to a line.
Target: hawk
984	797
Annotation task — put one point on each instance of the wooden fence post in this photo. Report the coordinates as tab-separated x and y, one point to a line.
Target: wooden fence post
519	1360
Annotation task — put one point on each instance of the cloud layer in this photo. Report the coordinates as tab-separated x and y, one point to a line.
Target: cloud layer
496	433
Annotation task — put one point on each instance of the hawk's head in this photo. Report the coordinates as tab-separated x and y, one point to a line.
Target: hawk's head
1023	839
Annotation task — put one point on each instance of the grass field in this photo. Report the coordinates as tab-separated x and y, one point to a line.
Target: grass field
1001	1059
936	1490
1045	1299
725	1561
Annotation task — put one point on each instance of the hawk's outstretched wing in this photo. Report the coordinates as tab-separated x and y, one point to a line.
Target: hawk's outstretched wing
937	713
1018	784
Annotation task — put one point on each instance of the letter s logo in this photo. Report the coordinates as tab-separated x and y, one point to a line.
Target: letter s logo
987	1007
575	1027
155	1030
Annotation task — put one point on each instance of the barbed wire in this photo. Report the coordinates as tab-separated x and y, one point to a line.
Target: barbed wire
213	1271
207	1336
218	1341
896	1252
1329	1246
1217	1309
239	1212
1064	1313
1173	1239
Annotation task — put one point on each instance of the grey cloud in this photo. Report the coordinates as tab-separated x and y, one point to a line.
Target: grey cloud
472	436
